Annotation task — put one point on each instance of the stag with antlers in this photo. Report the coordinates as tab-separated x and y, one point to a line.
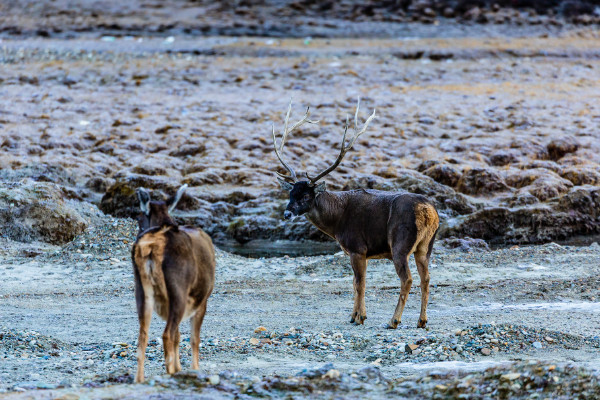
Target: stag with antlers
367	224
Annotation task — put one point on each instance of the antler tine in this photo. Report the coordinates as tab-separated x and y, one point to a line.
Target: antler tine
286	131
286	166
344	149
365	126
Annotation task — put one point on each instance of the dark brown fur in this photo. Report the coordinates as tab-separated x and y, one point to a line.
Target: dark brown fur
372	224
366	223
174	269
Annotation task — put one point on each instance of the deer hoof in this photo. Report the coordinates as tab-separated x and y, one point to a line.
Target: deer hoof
393	324
353	317
360	319
421	323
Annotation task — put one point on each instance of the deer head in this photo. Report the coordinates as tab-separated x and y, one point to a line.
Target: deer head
304	192
156	213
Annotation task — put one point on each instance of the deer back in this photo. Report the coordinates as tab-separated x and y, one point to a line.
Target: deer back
175	264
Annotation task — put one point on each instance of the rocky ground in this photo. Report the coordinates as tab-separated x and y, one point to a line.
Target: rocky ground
502	134
491	111
69	323
290	18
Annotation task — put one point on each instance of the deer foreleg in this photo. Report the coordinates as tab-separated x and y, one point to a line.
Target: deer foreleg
359	266
177	363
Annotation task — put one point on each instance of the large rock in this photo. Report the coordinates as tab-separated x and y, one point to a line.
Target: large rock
538	182
481	181
444	174
446	199
558	148
581	176
575	213
32	210
120	199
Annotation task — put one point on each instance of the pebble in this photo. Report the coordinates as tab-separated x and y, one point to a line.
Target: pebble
511	376
410	348
332	374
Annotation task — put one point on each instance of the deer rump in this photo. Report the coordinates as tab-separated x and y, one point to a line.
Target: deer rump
373	220
171	265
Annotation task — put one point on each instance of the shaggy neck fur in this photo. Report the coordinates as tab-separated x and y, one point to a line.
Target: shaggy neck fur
327	212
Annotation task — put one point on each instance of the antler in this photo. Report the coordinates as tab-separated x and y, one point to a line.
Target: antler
344	148
304	120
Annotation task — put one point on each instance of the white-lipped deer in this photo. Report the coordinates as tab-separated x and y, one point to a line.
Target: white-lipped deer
367	224
174	270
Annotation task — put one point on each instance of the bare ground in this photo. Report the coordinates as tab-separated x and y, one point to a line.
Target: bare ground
80	302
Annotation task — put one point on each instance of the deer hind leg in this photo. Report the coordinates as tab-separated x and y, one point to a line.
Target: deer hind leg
145	304
422	261
401	264
171	347
171	335
422	256
359	266
197	320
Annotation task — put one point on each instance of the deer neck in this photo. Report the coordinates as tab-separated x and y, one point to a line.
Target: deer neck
327	212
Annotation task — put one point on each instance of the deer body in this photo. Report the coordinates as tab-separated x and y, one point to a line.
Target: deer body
366	221
174	271
371	224
367	224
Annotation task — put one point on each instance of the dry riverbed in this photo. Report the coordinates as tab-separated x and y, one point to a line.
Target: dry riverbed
68	321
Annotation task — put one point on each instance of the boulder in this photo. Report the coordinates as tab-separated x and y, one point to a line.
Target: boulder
583	200
120	199
39	172
547	188
504	157
521	198
444	197
557	148
581	176
32	210
575	213
444	174
481	181
525	177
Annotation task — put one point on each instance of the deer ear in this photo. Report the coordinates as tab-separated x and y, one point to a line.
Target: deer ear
144	198
285	185
172	202
320	188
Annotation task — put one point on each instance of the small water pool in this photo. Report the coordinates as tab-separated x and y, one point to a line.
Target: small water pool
279	248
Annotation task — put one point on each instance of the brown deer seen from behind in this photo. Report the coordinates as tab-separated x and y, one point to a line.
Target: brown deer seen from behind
367	224
174	270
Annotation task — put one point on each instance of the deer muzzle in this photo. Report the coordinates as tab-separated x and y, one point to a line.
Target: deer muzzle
287	214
